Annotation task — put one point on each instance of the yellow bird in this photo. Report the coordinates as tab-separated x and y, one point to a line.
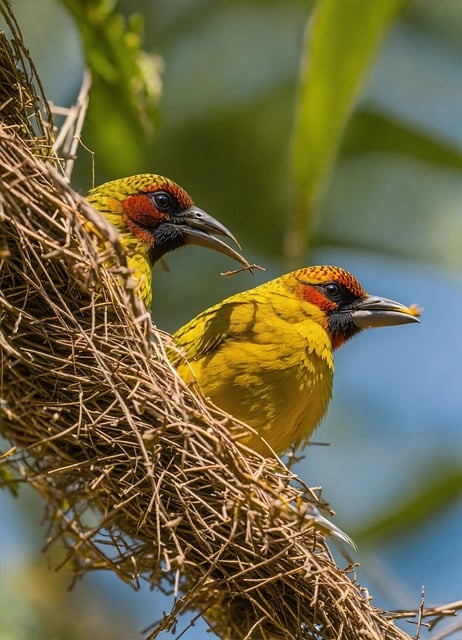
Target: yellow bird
154	215
266	355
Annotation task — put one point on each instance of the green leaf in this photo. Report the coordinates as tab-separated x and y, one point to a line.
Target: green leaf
126	79
396	205
341	41
437	488
373	131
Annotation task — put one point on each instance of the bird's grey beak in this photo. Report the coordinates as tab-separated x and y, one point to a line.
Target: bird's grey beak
374	311
200	228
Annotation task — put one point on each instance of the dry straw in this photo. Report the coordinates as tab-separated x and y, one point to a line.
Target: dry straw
139	476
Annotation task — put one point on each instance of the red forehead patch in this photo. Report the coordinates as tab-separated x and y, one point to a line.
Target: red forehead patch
323	274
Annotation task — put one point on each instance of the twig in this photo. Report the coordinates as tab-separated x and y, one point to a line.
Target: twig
69	136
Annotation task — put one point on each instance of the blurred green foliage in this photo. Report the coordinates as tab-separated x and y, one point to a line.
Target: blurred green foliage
228	131
340	45
126	79
429	494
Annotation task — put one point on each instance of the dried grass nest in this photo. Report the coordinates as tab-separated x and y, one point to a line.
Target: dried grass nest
139	476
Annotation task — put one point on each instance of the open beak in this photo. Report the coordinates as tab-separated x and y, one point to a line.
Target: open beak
374	311
200	228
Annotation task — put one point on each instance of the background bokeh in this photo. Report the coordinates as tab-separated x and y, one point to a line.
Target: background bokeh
391	213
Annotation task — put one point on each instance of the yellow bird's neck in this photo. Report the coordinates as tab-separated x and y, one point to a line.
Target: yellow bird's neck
136	249
310	321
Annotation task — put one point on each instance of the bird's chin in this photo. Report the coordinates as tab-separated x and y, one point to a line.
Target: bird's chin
341	328
166	238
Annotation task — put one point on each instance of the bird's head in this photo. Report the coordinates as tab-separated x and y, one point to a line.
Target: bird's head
345	308
160	216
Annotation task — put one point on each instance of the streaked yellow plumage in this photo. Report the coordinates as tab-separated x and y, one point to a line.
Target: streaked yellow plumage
108	199
153	216
266	355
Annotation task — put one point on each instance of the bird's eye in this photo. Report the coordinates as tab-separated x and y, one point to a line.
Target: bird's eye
162	199
332	290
